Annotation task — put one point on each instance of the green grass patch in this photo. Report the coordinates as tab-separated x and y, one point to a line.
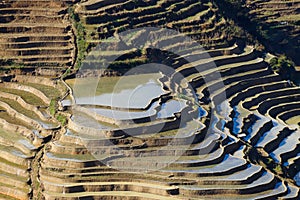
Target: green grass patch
278	169
53	107
16	106
4	115
49	91
293	120
10	135
19	178
12	164
27	96
62	119
3	196
81	157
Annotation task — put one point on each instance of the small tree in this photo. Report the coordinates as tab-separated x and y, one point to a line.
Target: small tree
283	66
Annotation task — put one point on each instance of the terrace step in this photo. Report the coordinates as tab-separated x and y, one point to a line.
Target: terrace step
66	145
17	99
277	192
266	106
277	110
246	176
22	21
196	80
293	193
229	165
183	161
265	182
18	157
288	148
232	89
16	110
216	84
271	146
289	115
260	97
16	182
13	192
14	169
117	195
94	15
255	131
150	188
253	90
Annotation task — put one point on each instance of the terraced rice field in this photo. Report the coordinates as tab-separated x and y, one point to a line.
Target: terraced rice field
199	19
205	161
221	127
25	128
279	21
36	33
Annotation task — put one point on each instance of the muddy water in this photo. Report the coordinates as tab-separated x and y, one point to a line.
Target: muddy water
138	97
133	91
123	98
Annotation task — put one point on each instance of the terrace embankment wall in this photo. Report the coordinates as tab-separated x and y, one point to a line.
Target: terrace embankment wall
268	104
6	167
290	114
15	193
23	132
97	5
15	114
71	163
15	183
32	90
246	84
23	104
37	80
52	82
6	78
15	158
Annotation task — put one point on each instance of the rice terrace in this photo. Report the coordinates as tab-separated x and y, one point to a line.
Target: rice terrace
149	99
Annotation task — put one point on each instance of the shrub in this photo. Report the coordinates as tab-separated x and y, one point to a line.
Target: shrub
4	61
283	66
278	169
80	37
66	73
62	119
53	107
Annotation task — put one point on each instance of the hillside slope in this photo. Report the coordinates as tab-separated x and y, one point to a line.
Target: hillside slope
230	131
36	34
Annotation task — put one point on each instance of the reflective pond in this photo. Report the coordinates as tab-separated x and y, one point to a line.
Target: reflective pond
133	91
